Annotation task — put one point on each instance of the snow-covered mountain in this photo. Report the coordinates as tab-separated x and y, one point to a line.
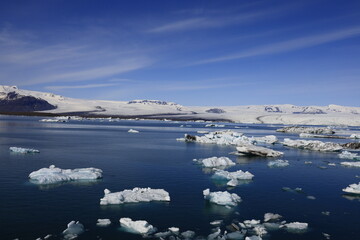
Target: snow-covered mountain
13	99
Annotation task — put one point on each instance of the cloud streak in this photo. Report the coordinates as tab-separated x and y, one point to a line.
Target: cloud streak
100	85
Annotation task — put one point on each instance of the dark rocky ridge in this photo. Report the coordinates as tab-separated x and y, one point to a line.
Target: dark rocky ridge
14	102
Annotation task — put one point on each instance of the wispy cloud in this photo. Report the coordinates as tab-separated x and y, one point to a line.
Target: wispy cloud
289	45
100	85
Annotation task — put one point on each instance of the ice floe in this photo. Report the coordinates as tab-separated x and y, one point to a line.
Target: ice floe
233	177
350	164
23	150
54	175
271	216
355	136
103	222
270	139
249	149
278	163
313	145
74	229
349	155
296	226
214	162
133	131
353	188
311	130
222	198
134	195
138	227
220	137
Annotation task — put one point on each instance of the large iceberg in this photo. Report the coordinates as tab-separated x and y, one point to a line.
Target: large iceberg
54	175
350	164
74	229
349	155
135	195
220	137
138	227
311	130
233	177
214	162
222	198
23	150
278	163
249	149
313	145
353	188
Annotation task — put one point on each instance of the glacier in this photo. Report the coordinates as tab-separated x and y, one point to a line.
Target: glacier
134	195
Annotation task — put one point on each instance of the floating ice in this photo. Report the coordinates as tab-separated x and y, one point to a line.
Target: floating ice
23	150
103	222
54	175
174	230
350	164
356	136
203	132
271	216
133	131
349	155
253	238
351	145
296	226
278	163
311	130
138	227
74	229
220	137
188	234
270	139
214	235
353	188
214	125
235	235
250	149
222	198
135	195
213	162
313	145
233	177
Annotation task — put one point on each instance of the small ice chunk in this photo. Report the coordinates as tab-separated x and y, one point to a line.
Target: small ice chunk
203	132
308	162
260	230
103	222
350	164
133	131
23	150
222	198
349	155
54	175
296	226
278	163
134	195
251	223
74	229
162	234
250	149
271	216
311	197
216	162
188	234
270	139
174	230
216	222
353	188
138	227
233	177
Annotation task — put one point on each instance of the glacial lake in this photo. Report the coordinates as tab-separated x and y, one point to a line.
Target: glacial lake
153	158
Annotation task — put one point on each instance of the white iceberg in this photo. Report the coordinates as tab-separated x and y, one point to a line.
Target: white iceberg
220	137
356	136
54	175
222	198
271	216
353	188
135	195
350	164
313	145
214	162
233	177
270	139
296	226
311	130
138	227
74	229
249	149
278	163
349	155
103	222
133	131
23	150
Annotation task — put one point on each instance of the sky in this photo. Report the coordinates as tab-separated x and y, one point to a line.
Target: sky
195	53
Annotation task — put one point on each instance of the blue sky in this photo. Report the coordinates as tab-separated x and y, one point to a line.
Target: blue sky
190	52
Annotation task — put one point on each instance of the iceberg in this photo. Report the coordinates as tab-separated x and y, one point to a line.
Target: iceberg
54	175
349	155
133	131
311	130
103	222
222	198
313	145
351	145
271	216
350	164
220	137
296	226
355	136
249	149
253	238
270	139
135	195
74	229
214	162
138	227
23	150
278	163
233	177
353	188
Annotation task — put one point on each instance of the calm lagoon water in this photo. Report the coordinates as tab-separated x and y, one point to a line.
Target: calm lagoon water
153	158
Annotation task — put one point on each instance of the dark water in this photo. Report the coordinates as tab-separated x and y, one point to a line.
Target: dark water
153	158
